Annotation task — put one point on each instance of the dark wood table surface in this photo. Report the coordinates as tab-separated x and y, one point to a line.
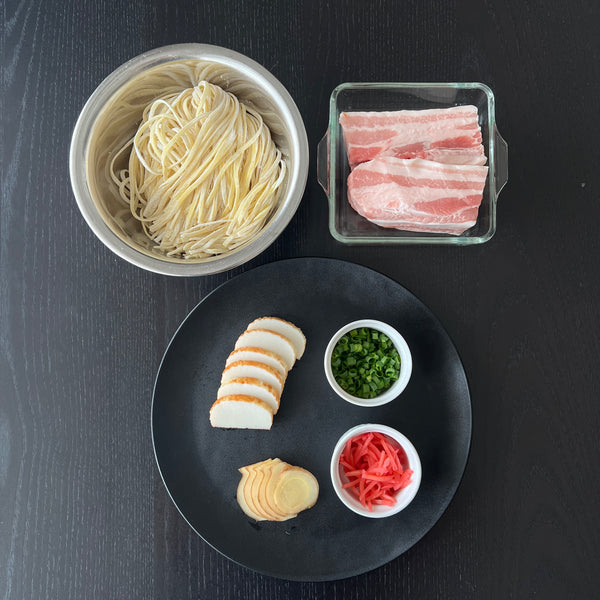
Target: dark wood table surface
83	511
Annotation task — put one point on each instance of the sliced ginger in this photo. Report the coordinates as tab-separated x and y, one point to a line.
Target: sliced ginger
296	490
273	490
241	498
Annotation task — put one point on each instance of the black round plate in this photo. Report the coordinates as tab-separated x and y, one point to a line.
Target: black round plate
199	464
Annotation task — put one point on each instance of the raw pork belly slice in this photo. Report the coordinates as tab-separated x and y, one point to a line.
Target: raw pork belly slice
447	135
417	194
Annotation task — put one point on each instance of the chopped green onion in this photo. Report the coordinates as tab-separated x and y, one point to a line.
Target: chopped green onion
365	362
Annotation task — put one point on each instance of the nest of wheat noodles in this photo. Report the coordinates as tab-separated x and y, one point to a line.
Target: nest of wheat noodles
203	175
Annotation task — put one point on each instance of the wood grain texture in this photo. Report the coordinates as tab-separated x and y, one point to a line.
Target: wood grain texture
83	512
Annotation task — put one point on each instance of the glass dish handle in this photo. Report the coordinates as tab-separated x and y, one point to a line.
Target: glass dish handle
501	173
323	162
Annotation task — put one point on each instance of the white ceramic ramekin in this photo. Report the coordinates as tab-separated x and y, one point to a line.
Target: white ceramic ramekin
405	363
403	497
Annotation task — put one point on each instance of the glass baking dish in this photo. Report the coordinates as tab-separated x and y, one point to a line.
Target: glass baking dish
346	225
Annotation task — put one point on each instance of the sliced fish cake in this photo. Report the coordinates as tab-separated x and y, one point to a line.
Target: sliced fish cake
289	330
271	341
256	370
238	411
250	386
258	355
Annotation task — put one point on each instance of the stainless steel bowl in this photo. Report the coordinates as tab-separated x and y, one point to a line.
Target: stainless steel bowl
236	73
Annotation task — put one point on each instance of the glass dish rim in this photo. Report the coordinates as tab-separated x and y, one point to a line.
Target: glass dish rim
333	126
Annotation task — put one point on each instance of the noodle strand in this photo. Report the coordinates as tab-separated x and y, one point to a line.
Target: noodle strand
204	174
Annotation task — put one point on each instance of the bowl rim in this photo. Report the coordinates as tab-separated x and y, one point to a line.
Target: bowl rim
111	85
407	494
405	363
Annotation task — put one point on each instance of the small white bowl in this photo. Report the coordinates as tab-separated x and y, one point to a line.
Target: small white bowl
403	497
405	363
